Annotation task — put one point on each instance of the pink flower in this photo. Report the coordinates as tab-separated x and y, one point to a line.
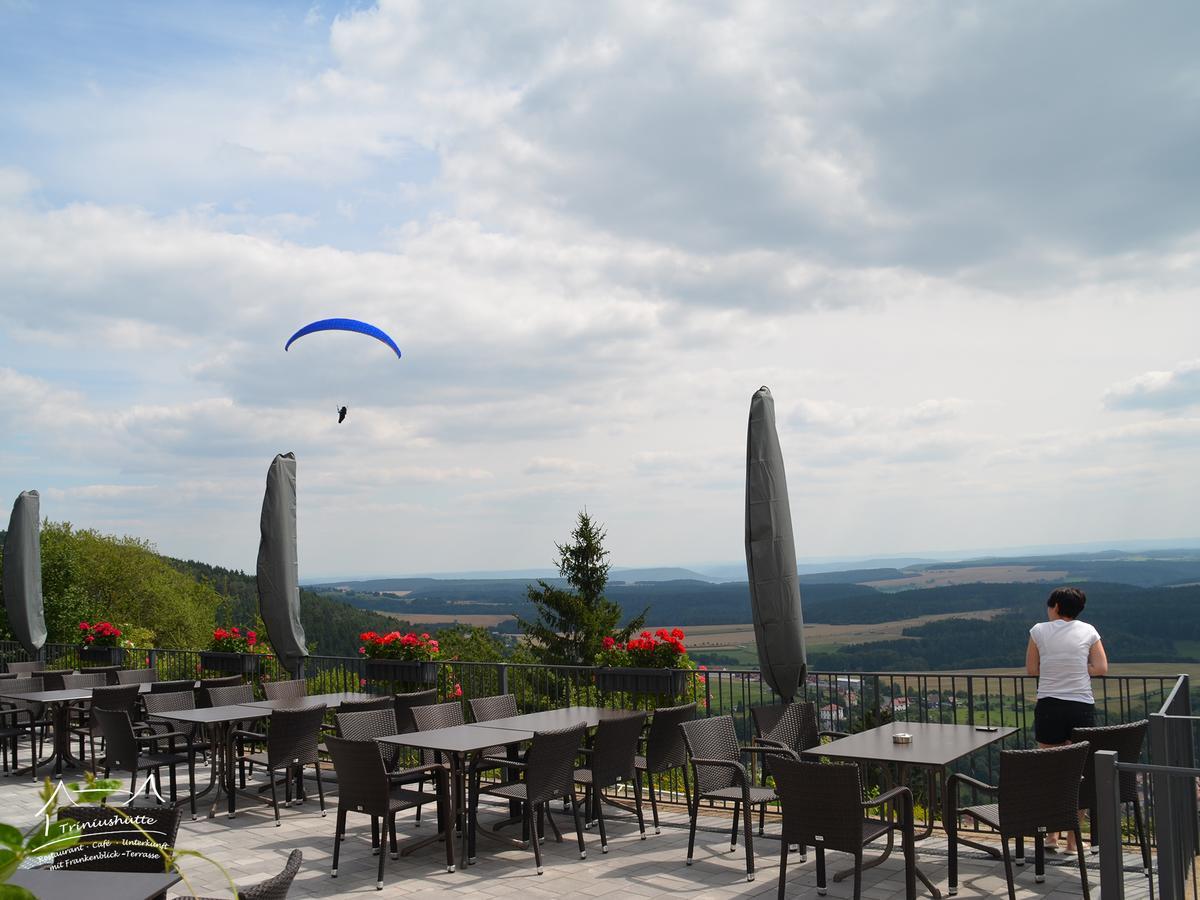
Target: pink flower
458	690
362	682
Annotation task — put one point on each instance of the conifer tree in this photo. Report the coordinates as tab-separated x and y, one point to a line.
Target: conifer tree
571	624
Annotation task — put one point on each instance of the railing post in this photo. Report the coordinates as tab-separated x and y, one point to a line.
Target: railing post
971	698
502	677
1170	881
1108	826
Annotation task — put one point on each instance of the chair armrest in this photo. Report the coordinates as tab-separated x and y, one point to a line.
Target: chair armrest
765	742
165	736
773	748
833	734
248	735
722	764
901	792
959	778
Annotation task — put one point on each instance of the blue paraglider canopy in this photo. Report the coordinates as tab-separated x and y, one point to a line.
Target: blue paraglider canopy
344	325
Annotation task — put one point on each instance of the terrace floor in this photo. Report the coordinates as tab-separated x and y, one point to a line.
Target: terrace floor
252	848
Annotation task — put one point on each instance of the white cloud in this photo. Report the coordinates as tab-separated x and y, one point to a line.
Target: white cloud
1161	390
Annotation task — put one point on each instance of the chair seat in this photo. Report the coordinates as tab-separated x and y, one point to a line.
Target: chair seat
261	759
757	794
639	762
514	791
161	759
873	828
986	813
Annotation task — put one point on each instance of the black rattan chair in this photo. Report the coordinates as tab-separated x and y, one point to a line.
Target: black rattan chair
292	738
120	697
54	679
170	687
136	676
27	668
157	704
274	888
10	732
405	704
207	685
1038	794
716	761
294	689
611	762
27	716
823	808
109	673
385	702
370	724
488	709
363	787
791	725
549	774
125	751
1126	741
665	752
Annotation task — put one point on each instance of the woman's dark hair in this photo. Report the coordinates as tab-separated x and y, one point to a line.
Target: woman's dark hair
1069	600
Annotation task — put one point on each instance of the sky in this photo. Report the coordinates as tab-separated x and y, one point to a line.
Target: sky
960	242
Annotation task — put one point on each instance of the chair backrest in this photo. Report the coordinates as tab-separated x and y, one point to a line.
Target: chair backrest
117	696
24	668
550	763
766	718
293	735
171	687
130	851
665	748
121	750
24	685
614	748
404	704
1127	741
109	672
207	684
712	738
285	690
277	886
1040	789
85	680
438	715
368	724
136	676
488	709
53	679
792	724
820	799
231	695
382	702
172	702
362	779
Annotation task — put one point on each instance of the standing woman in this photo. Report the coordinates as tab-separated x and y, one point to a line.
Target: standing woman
1066	655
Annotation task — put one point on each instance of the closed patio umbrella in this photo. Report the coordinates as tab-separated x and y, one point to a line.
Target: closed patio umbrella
771	555
23	573
278	570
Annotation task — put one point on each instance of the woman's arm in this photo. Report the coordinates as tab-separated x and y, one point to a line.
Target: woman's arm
1033	660
1097	660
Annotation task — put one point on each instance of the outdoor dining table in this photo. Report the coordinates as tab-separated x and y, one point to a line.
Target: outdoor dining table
60	711
332	700
934	747
71	884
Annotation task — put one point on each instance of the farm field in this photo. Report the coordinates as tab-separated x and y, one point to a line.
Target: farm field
968	575
484	620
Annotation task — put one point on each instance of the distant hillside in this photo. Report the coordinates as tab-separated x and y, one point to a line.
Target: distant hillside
329	624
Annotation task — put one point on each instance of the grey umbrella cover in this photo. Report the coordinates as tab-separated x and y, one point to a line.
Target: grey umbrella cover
278	568
771	554
23	573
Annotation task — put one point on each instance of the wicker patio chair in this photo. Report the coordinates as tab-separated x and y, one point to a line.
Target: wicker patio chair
292	737
384	702
27	668
489	709
207	685
405	703
549	774
1038	794
109	672
274	888
1126	741
136	676
54	679
611	759
155	725
125	751
27	716
85	680
716	761
665	751
10	732
363	787
823	807
119	697
293	689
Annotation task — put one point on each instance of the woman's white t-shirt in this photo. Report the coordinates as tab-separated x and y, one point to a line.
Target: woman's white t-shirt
1063	647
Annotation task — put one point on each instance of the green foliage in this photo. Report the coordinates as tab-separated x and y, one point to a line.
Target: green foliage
470	642
571	624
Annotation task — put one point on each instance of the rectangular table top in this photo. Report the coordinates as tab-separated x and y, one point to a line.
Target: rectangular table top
334	699
933	744
67	695
459	738
71	884
554	719
211	715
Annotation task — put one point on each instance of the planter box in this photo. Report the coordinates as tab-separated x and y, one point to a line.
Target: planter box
406	670
231	663
101	656
663	682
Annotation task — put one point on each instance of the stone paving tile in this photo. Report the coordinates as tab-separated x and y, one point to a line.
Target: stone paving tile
252	848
